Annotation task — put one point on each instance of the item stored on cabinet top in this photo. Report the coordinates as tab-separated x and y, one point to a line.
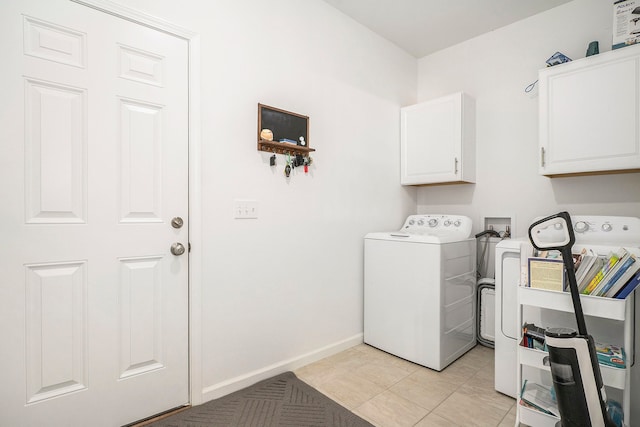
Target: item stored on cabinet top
626	30
557	58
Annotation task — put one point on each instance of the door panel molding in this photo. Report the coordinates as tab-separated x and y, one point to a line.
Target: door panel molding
53	42
56	329
56	157
140	315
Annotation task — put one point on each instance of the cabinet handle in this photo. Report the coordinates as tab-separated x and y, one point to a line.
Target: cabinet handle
455	166
541	156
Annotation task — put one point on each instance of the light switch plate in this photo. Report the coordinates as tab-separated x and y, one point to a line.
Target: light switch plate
245	209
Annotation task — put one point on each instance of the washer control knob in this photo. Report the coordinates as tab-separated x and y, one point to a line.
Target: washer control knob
411	222
447	223
421	222
433	222
581	226
457	223
606	227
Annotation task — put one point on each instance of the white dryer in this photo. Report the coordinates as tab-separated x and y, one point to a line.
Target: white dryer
507	268
420	290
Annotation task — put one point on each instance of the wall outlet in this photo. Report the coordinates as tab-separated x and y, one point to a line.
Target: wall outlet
245	209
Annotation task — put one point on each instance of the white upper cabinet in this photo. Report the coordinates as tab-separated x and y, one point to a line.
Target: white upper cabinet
590	115
438	141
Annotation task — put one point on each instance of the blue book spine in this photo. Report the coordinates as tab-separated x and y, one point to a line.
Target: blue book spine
617	275
629	287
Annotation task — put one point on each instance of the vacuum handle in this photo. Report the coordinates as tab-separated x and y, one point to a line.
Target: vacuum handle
567	258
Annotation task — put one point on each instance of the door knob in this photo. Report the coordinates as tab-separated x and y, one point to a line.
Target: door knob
177	249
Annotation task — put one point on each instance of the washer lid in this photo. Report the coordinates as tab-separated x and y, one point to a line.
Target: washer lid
400	236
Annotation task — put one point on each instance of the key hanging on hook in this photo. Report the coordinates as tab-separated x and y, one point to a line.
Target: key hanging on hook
287	168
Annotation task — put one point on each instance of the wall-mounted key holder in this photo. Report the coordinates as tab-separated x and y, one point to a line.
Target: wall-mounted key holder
292	162
282	132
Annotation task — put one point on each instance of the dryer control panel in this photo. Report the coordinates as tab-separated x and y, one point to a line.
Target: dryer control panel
458	226
606	230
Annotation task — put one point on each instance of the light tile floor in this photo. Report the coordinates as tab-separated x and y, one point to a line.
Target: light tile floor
391	392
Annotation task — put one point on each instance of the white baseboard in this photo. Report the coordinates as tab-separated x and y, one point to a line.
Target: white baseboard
238	383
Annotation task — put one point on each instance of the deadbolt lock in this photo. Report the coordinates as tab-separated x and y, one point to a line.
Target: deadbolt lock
177	222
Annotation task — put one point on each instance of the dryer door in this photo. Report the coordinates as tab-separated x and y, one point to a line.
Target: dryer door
509	277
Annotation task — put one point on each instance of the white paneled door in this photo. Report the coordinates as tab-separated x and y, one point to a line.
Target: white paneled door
94	168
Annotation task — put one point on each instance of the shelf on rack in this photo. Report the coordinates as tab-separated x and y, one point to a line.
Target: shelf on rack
609	308
612	377
531	417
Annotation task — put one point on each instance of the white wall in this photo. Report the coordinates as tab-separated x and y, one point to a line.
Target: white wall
495	68
282	289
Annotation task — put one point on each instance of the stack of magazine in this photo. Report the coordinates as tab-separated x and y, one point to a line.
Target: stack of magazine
538	397
610	355
533	336
615	275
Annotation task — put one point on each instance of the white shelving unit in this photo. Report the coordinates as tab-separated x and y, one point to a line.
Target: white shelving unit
596	309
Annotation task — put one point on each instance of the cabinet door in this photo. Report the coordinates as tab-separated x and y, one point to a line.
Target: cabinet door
590	114
437	141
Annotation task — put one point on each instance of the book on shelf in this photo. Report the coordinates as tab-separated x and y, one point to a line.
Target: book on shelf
577	259
589	275
611	261
530	329
617	273
610	355
534	343
624	279
629	287
538	397
585	265
546	273
623	258
533	337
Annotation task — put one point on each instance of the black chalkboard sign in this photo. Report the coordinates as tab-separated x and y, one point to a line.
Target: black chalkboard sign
283	124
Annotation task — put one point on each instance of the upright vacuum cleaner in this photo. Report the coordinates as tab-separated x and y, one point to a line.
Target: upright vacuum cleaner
574	364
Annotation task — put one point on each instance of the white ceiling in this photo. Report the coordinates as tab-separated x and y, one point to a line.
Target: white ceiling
422	27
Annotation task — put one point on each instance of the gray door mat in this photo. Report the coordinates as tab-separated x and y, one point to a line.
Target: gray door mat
283	400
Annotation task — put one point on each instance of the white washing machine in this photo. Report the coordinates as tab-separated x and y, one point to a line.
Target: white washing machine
598	232
420	290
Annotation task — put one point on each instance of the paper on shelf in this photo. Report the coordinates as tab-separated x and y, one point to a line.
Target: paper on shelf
546	273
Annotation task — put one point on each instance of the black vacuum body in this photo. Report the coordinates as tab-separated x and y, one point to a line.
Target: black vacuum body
579	389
